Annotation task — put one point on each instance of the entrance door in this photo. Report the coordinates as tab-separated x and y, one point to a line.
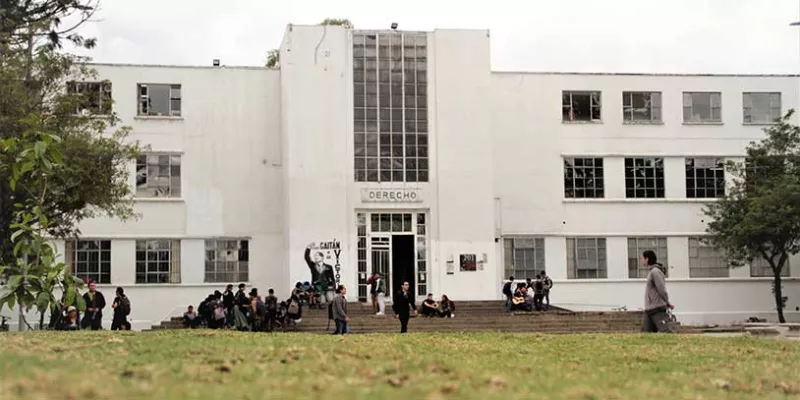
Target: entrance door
380	260
402	262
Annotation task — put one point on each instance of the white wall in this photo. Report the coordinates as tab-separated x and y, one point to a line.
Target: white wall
316	101
462	160
530	142
229	139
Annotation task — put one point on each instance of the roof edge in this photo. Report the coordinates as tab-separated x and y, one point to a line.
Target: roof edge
179	66
647	74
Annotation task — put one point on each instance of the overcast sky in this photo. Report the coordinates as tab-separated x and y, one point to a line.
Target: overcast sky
701	36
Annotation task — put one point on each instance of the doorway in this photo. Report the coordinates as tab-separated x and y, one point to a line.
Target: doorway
394	244
402	262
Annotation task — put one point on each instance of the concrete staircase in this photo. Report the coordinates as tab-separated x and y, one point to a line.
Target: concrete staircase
471	316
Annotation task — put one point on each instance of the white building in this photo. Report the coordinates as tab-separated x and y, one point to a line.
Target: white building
403	152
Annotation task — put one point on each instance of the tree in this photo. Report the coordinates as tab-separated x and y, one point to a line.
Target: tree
343	22
34	275
24	20
274	55
44	102
759	217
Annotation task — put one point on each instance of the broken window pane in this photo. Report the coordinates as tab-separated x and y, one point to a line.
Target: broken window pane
92	97
158	175
159	100
581	106
641	106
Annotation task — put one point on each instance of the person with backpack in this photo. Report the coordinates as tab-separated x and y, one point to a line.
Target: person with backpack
258	311
538	292
656	298
548	284
294	310
122	308
271	304
508	293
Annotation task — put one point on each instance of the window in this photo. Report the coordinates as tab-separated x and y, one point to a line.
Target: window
158	261
158	175
642	107
706	261
644	178
760	268
637	246
93	97
702	107
390	85
583	178
705	178
586	258
524	257
761	108
89	259
580	106
227	260
159	100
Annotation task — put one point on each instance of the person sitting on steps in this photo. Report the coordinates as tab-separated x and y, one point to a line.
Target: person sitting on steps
429	307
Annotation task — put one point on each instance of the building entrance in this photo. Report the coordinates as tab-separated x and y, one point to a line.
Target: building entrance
395	245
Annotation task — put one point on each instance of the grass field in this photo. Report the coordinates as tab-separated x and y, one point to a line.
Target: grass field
227	365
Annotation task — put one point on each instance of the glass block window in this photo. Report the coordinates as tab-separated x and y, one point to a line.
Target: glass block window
524	257
586	258
761	108
760	268
361	257
422	254
706	261
637	246
390	85
158	175
227	260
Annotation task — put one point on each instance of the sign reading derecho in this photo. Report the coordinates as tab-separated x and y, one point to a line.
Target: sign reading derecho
391	195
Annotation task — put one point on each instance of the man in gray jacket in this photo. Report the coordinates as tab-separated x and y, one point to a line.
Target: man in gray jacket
656	298
339	308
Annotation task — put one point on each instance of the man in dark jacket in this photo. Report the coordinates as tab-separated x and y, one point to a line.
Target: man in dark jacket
404	306
228	300
122	308
95	303
271	302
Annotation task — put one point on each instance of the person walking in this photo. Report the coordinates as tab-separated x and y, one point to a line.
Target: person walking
548	284
339	308
122	308
656	299
404	306
379	289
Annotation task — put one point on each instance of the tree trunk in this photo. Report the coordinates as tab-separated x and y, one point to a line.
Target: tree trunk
779	297
41	320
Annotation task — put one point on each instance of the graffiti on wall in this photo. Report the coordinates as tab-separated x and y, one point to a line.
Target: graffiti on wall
323	259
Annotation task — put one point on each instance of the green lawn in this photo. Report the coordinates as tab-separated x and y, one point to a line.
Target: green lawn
228	365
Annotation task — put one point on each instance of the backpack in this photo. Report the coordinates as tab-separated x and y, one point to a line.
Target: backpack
261	308
294	308
125	305
507	289
272	304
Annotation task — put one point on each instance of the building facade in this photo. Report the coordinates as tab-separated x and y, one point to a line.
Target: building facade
402	152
